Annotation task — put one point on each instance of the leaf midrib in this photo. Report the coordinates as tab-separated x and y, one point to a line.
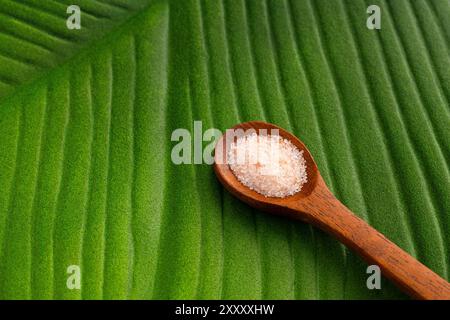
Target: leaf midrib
85	49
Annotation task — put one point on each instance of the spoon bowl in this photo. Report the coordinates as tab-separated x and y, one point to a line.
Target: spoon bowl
316	204
251	197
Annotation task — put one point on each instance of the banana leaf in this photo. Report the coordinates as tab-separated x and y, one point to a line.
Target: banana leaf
86	118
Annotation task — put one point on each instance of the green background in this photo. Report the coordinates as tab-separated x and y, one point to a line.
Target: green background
85	123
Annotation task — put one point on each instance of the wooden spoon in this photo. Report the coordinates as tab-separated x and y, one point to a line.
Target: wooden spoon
316	204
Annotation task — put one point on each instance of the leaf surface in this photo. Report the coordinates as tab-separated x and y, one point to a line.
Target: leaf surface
86	118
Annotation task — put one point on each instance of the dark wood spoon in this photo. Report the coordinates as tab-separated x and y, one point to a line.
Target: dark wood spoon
316	204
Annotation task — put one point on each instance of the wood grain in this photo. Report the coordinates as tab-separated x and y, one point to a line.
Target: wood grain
316	204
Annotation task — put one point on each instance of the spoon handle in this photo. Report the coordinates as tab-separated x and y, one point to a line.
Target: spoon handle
330	215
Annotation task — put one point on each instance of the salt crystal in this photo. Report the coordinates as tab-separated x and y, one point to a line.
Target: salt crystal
268	164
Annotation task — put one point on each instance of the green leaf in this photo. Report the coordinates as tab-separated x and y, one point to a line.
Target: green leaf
86	118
